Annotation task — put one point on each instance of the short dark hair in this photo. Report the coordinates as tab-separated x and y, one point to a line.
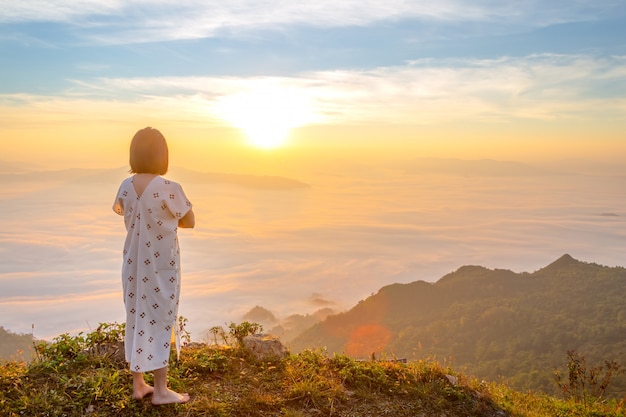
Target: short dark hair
148	152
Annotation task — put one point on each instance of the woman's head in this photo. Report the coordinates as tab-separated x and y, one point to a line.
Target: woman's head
148	152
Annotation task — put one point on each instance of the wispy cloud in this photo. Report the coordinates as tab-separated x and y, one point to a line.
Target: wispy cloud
158	20
536	87
56	10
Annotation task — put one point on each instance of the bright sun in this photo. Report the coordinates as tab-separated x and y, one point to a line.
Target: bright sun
265	116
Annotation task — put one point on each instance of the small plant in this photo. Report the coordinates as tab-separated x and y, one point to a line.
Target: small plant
239	331
62	350
218	331
204	360
185	335
66	350
583	384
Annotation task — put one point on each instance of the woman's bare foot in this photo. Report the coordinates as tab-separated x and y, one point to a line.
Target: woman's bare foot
141	391
169	397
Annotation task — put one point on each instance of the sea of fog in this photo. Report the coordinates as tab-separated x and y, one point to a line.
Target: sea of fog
327	241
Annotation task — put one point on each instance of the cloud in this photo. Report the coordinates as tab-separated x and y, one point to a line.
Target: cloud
422	92
49	316
148	21
543	86
319	300
55	10
348	237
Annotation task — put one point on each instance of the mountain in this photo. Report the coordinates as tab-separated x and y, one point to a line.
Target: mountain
493	323
15	346
183	175
7	166
268	182
473	168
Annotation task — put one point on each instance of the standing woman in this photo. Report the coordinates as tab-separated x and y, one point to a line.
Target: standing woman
153	209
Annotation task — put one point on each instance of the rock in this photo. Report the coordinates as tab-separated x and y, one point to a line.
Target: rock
114	350
451	379
265	346
195	345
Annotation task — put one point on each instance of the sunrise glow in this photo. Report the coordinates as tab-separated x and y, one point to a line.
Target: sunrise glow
265	116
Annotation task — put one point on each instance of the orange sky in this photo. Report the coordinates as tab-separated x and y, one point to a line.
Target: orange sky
225	149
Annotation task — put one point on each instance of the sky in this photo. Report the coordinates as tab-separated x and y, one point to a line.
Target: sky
499	79
425	136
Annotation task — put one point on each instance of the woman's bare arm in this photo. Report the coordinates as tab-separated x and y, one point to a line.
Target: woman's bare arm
188	221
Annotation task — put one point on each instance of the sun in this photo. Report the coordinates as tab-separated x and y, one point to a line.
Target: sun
266	136
265	116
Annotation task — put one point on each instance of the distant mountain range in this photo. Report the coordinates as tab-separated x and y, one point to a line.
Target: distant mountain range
183	175
473	167
16	346
493	323
244	180
436	166
496	168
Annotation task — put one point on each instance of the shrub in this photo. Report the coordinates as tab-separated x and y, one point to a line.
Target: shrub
585	385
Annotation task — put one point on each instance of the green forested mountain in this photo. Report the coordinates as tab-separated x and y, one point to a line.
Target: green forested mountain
15	346
495	324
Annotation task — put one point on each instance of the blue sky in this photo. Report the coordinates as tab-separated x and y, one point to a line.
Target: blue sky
50	45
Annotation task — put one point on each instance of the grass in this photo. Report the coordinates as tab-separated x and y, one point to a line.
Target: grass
85	376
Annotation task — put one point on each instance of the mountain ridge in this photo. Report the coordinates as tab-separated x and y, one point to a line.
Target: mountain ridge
496	323
475	167
184	175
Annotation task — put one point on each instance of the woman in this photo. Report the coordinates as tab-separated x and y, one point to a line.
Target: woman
153	209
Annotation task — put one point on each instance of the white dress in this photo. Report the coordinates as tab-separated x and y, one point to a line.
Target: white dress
151	269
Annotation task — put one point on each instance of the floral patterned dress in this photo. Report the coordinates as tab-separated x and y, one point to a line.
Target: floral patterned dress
151	269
